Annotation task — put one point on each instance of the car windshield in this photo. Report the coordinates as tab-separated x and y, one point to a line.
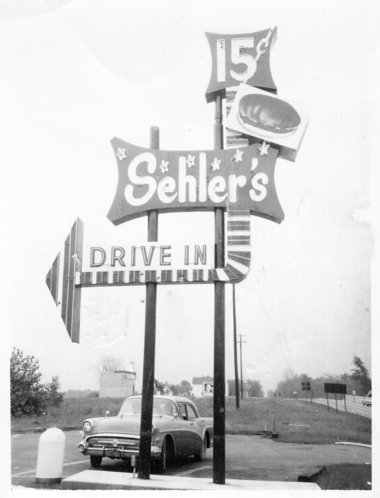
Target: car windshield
160	407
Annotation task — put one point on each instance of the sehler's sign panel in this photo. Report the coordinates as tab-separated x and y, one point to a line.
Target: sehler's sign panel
239	180
240	58
267	117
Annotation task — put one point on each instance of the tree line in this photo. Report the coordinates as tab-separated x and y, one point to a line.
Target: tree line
29	396
252	388
357	382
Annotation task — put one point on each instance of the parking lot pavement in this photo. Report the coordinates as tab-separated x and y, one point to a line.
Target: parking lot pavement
255	457
247	457
288	460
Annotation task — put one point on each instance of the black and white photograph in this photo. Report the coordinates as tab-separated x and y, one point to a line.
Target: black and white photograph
190	224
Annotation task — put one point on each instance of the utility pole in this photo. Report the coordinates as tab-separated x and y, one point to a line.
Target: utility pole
237	397
241	364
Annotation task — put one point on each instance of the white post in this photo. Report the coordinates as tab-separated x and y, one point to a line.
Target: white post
51	449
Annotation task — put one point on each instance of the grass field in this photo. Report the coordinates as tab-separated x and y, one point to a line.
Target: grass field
346	477
293	420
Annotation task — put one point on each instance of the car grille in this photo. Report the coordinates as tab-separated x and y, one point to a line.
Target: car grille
113	442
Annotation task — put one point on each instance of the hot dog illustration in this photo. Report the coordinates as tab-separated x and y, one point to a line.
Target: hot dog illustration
267	116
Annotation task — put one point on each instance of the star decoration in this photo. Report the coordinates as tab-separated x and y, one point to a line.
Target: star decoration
190	160
264	149
164	166
254	163
216	164
238	155
121	153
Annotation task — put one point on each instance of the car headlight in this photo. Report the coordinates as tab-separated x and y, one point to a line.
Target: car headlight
87	425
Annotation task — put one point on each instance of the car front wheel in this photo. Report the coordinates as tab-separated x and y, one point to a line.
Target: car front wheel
199	457
95	460
163	460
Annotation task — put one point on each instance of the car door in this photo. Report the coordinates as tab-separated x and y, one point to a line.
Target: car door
195	432
182	436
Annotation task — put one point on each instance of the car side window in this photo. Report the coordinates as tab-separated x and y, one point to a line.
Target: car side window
182	410
191	415
175	410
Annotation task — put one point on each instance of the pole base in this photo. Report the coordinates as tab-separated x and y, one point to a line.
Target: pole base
48	480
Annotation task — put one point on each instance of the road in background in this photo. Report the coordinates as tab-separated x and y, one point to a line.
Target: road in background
353	405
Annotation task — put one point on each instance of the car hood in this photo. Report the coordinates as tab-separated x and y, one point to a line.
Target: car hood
126	423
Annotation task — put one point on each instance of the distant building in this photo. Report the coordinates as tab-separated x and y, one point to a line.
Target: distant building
119	384
199	385
204	386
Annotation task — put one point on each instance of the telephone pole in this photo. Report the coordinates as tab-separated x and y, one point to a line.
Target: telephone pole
240	341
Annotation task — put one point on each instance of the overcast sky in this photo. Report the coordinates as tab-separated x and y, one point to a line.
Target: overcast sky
76	74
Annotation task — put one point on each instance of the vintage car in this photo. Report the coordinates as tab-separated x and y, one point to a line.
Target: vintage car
177	431
367	401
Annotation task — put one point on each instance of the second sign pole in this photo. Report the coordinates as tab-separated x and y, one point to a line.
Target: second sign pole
219	324
149	346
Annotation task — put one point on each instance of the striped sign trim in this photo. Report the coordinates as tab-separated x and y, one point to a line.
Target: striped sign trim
137	277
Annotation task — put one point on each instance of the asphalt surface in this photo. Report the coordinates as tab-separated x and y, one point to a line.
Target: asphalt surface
247	457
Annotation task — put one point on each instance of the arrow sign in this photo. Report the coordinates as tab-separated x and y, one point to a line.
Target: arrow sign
61	280
74	267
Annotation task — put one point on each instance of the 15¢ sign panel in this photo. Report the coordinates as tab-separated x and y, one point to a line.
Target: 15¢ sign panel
242	58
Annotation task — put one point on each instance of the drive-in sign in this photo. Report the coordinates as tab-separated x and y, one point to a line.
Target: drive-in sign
234	182
240	179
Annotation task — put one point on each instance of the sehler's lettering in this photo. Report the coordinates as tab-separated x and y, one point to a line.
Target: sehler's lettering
189	187
241	179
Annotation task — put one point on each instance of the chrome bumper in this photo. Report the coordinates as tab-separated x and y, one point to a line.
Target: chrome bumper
114	452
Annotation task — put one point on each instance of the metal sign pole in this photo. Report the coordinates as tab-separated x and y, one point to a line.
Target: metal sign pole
219	324
237	397
149	346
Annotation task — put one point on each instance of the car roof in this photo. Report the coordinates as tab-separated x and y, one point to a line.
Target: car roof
177	399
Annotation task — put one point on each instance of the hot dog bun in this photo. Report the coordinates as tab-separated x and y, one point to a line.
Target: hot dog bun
266	116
